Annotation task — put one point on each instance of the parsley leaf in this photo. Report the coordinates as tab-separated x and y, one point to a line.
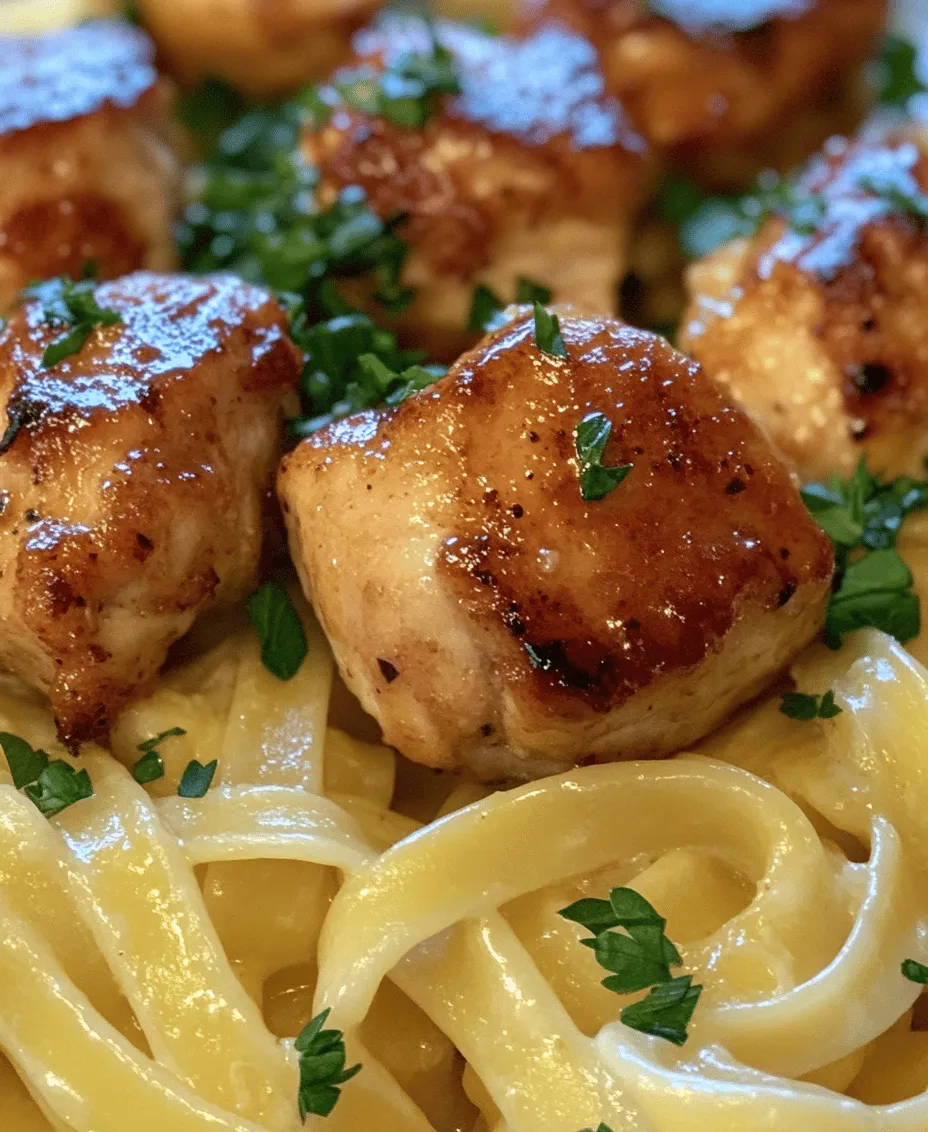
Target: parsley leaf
915	972
548	332
196	779
52	785
69	304
283	642
322	1067
665	1011
150	767
408	92
799	705
894	74
591	437
59	786
639	958
25	763
600	1128
862	516
485	305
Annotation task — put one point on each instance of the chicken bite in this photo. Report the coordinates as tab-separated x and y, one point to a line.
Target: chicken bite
135	474
726	89
817	324
261	47
86	173
504	622
530	172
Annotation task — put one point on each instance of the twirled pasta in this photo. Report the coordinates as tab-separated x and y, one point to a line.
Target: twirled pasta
159	953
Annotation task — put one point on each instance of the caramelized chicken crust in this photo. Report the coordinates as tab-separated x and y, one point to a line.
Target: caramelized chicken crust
727	87
86	175
134	488
261	47
821	332
531	171
502	622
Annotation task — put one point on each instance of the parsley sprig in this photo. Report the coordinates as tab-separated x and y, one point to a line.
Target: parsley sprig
283	641
915	972
150	767
803	706
52	784
639	956
196	779
72	305
408	91
591	438
322	1067
862	517
548	332
486	305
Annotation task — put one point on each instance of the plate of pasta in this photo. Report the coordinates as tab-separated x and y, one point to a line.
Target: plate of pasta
463	527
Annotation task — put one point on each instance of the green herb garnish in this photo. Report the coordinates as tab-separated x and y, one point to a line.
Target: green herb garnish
801	706
52	785
322	1067
600	1128
548	333
283	641
67	303
527	291
408	92
639	956
894	73
197	779
915	972
395	387
150	767
486	305
873	586
592	435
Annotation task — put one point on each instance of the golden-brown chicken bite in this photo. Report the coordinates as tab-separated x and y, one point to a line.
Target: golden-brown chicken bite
261	47
817	325
86	175
728	87
503	622
134	474
530	172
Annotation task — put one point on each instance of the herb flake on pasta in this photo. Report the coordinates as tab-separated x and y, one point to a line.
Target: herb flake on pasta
283	641
322	1067
51	784
197	779
803	706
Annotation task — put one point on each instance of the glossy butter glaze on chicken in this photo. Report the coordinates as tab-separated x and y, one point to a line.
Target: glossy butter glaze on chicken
86	175
503	622
134	486
728	87
817	325
531	171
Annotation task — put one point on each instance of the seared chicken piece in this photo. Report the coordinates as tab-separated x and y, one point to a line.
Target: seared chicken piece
530	172
134	475
726	89
502	622
261	47
819	329
86	176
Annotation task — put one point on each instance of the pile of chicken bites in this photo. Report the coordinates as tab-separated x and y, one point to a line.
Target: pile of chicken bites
579	543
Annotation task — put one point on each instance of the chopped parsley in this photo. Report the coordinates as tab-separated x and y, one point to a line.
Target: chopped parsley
600	1128
486	305
197	779
150	767
408	92
894	73
66	303
283	641
915	972
592	435
322	1067
52	785
639	957
548	332
801	706
873	586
